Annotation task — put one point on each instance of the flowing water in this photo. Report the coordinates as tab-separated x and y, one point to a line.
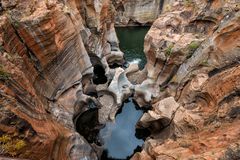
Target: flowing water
131	43
120	138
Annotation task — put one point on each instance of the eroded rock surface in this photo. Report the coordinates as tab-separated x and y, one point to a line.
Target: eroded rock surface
137	12
51	52
193	58
48	53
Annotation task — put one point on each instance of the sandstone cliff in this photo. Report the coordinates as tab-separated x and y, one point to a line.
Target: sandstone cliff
137	12
52	53
193	82
48	52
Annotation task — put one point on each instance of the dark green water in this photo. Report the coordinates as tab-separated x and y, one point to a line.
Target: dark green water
120	139
131	43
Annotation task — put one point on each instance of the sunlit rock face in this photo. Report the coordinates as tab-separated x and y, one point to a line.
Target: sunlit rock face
137	12
48	53
193	58
51	51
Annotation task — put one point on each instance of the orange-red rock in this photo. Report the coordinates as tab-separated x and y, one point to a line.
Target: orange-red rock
193	55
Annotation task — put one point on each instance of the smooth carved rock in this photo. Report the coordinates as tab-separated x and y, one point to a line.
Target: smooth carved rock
165	109
131	12
45	52
193	55
134	74
111	97
120	86
145	92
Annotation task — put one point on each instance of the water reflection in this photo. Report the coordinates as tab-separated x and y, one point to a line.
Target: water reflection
119	136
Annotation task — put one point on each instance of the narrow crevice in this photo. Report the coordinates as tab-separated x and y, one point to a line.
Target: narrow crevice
230	97
219	70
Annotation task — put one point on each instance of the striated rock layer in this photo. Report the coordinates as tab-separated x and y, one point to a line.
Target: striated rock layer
49	53
53	54
193	53
137	12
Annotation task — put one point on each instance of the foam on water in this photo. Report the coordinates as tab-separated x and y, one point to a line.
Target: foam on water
135	61
131	44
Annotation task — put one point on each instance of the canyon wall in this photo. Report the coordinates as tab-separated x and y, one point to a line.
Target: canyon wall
48	53
137	12
193	53
52	50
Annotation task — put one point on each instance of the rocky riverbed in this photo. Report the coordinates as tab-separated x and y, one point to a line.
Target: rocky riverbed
60	61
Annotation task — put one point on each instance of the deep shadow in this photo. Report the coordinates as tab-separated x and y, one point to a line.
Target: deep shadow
234	112
99	75
115	65
105	155
86	125
142	133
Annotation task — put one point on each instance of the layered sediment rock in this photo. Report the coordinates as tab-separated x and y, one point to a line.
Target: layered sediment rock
51	52
48	53
141	12
193	55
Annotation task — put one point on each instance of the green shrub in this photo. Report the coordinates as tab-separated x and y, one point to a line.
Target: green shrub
192	48
205	63
169	50
20	144
193	45
5	139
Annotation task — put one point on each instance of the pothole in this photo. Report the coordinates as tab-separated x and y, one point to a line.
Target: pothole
99	76
131	44
119	139
87	125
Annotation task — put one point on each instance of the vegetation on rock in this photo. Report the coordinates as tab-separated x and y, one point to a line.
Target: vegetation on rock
9	145
192	48
3	74
169	49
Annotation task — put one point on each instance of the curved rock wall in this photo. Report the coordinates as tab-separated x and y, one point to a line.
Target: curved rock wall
193	65
46	68
48	51
132	12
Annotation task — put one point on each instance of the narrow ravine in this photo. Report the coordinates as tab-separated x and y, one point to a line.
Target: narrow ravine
75	83
120	138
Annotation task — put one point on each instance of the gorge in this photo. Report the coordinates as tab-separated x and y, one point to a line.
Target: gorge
69	73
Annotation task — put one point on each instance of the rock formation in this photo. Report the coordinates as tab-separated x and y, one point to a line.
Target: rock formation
137	12
49	52
54	72
193	57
